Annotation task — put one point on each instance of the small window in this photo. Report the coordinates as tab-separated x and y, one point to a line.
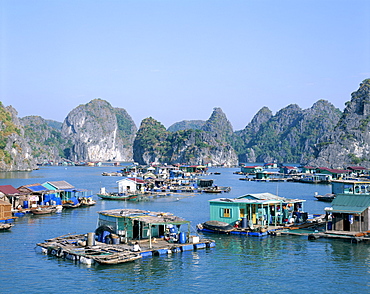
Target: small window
226	212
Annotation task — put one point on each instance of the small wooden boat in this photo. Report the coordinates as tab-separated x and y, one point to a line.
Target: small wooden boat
5	227
43	210
118	196
326	198
69	205
211	190
87	201
215	227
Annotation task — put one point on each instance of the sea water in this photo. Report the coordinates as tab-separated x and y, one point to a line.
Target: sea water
238	264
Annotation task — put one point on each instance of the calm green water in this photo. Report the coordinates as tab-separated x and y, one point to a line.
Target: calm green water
238	264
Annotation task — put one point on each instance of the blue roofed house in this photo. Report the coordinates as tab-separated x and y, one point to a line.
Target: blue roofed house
67	192
40	195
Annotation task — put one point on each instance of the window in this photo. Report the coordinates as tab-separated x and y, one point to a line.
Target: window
226	212
242	212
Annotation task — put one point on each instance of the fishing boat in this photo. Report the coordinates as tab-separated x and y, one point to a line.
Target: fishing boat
43	210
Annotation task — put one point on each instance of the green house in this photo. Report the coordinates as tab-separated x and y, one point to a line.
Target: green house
136	224
262	209
251	169
350	209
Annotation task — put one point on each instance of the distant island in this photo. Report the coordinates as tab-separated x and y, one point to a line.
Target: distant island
318	136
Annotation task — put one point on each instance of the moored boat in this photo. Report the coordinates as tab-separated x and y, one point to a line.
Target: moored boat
118	196
215	226
43	210
329	197
6	226
70	204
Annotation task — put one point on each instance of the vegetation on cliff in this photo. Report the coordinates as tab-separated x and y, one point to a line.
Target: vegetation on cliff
291	135
45	140
192	146
7	128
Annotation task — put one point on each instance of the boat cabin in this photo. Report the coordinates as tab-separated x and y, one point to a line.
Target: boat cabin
136	224
262	209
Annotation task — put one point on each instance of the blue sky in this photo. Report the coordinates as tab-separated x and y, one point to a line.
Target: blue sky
177	60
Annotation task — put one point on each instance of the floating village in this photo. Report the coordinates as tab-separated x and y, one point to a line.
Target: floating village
127	234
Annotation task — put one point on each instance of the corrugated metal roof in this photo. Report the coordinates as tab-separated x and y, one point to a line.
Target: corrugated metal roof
8	189
61	185
34	187
149	217
350	203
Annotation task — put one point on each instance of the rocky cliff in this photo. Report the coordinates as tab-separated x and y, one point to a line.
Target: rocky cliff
98	132
349	142
208	145
44	138
186	125
291	135
15	153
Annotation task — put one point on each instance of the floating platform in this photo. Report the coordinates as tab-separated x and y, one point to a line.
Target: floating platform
354	237
73	247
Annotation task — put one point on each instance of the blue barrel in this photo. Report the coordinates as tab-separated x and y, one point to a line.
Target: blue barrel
25	204
182	238
330	226
244	223
115	239
103	236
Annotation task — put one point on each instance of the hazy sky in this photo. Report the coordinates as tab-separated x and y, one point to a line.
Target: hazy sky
176	60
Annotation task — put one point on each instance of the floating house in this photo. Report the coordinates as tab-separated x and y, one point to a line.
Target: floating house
39	195
335	174
12	195
194	169
270	165
358	170
130	185
136	224
262	209
251	169
288	170
315	178
308	169
67	192
351	206
124	235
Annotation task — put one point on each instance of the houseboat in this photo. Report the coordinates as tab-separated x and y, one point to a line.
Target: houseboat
124	235
254	214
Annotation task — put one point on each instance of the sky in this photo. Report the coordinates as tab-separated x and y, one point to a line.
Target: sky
177	60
